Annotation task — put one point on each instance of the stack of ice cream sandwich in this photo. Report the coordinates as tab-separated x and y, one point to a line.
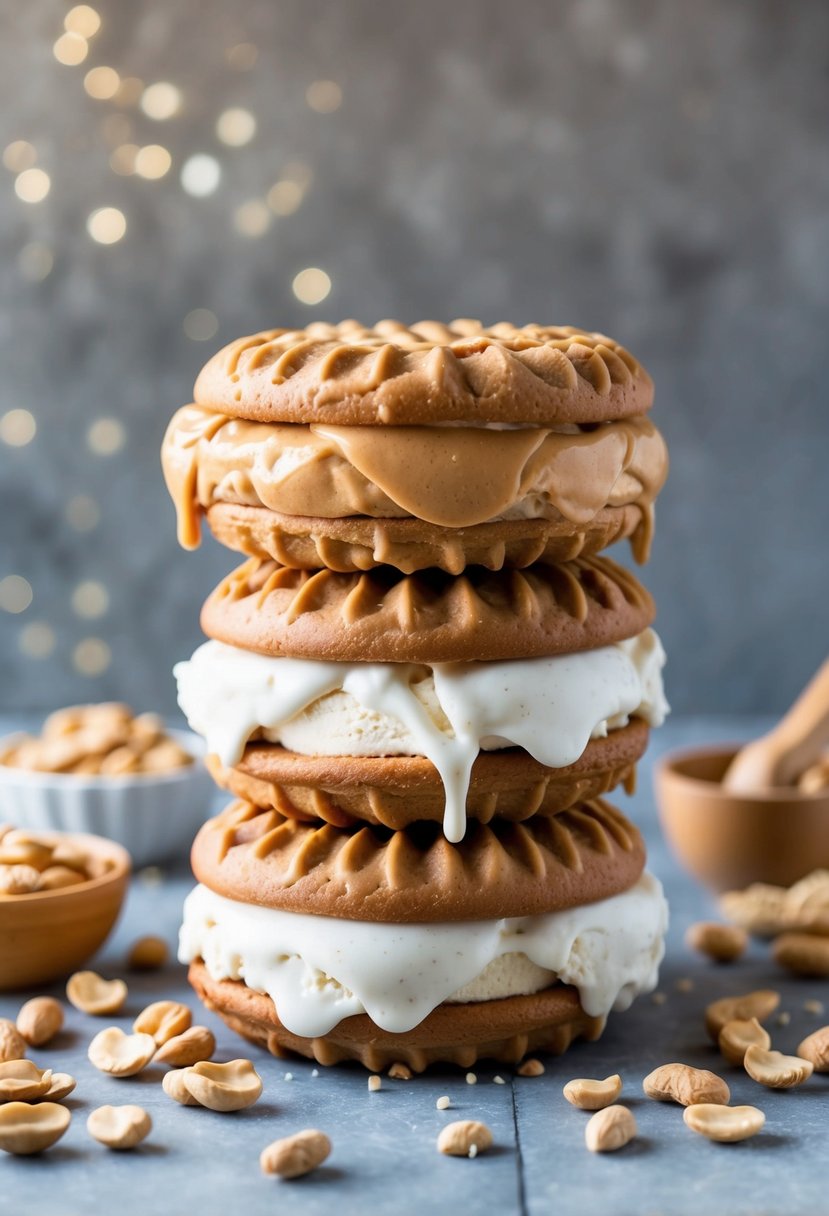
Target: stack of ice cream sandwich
419	687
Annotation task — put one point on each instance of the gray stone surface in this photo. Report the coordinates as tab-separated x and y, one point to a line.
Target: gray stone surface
384	1158
657	171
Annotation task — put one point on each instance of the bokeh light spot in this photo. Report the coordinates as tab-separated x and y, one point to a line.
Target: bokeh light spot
200	325
91	657
152	162
15	593
17	428
106	225
242	56
83	20
122	159
37	640
324	96
161	100
19	155
252	218
284	197
83	513
90	599
236	127
32	185
200	175
35	262
70	49
106	436
311	286
130	91
102	83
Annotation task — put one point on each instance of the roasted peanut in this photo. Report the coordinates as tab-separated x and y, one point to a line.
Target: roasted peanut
28	1129
815	1049
760	1005
174	1087
91	994
685	1085
802	953
400	1072
163	1020
119	1127
148	954
23	1081
609	1129
119	1054
725	1124
722	943
61	1087
759	909
587	1094
466	1138
195	1044
775	1070
737	1036
12	1043
39	1020
531	1068
223	1087
295	1155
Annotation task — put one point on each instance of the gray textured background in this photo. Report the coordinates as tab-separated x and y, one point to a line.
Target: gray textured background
658	171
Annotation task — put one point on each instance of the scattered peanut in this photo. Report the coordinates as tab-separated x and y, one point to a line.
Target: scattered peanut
148	954
737	1036
374	1083
295	1155
686	1085
815	1049
775	1070
164	1020
174	1087
466	1138
722	943
802	953
725	1124
400	1072
609	1129
61	1087
40	1020
119	1054
23	1081
28	1129
587	1094
12	1043
223	1087
760	1005
531	1068
119	1127
443	1103
91	994
192	1045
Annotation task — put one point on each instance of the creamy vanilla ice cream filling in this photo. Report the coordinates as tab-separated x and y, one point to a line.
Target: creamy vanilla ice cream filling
447	712
318	970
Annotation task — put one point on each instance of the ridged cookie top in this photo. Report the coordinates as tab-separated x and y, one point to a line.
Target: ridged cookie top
388	374
547	864
381	615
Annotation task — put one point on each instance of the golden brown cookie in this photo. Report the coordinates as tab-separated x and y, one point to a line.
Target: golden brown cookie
551	862
504	1030
348	374
430	617
358	542
396	791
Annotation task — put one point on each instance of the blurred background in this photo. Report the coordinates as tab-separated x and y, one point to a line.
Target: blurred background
175	175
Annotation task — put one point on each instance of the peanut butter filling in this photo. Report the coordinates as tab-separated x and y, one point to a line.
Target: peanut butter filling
452	476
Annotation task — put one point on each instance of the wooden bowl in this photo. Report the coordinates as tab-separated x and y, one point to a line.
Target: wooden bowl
49	934
728	841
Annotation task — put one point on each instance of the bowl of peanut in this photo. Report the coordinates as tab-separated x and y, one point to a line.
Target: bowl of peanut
101	770
60	895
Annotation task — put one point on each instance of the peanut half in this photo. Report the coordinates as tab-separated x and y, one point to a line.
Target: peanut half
223	1087
760	1005
40	1020
775	1070
815	1049
609	1129
465	1138
737	1036
722	943
195	1044
295	1155
119	1127
23	1081
148	954
725	1124
174	1087
119	1054
91	994
802	953
587	1094
686	1085
12	1043
61	1087
28	1129
163	1020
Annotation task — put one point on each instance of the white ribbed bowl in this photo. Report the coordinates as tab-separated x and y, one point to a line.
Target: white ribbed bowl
154	817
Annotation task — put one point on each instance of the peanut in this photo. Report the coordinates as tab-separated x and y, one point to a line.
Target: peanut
223	1087
722	943
737	1036
803	953
28	1129
725	1124
119	1054
760	1005
295	1155
775	1070
18	879
147	954
39	1020
685	1085
815	1049
163	1020
23	1081
119	1127
759	909
587	1094
195	1044
91	994
609	1129
531	1068
12	1043
466	1138
61	1087
400	1072
174	1087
